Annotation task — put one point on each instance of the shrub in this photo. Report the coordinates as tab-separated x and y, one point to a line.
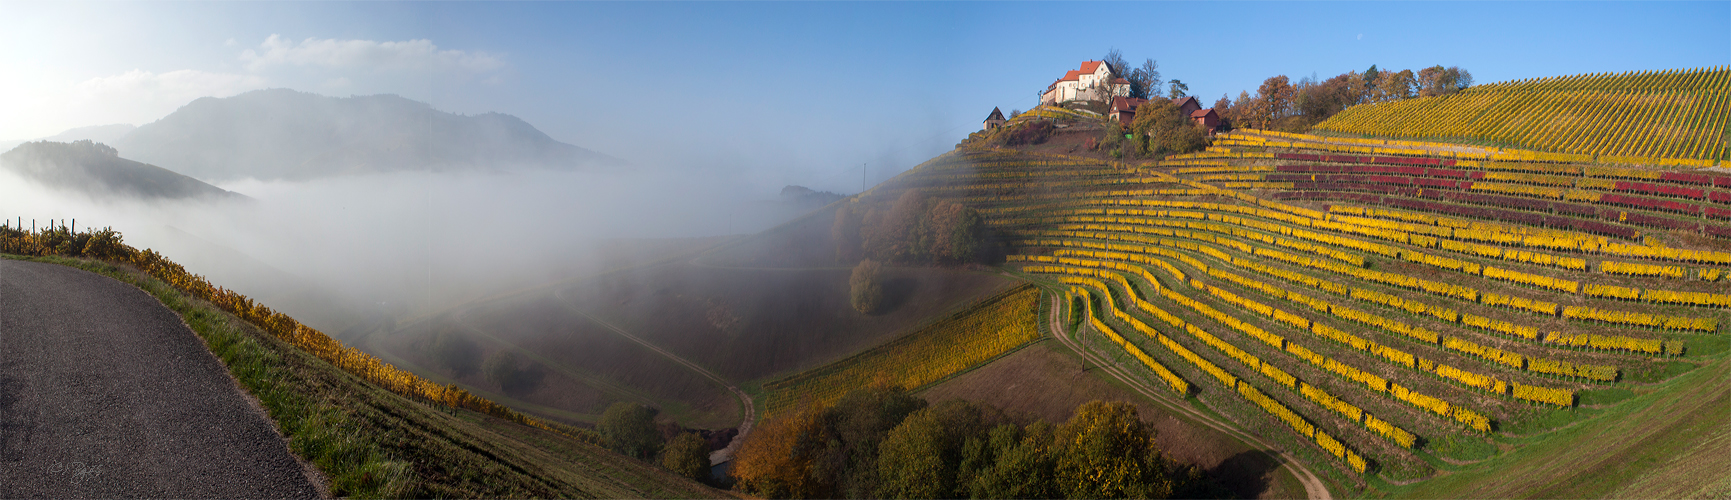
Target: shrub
629	428
866	289
687	455
511	372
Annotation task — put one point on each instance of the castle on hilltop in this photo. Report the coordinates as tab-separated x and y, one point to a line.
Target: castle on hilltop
1093	82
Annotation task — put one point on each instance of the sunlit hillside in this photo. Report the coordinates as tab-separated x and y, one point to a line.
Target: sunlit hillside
1673	114
1400	315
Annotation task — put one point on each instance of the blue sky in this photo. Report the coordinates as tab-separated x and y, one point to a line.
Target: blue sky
785	92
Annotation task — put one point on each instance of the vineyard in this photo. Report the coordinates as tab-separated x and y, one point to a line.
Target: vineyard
1362	300
1671	114
983	331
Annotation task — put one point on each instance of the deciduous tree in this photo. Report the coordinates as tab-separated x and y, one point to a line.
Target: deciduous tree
865	286
687	455
629	428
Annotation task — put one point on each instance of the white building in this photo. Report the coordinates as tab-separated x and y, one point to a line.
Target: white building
1086	84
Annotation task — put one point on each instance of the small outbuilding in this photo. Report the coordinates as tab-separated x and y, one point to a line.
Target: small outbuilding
995	120
1188	105
1124	109
1206	118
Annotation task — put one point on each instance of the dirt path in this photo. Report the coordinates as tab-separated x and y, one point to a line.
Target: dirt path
105	393
1313	487
750	411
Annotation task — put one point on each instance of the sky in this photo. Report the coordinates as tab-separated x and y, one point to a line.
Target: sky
783	92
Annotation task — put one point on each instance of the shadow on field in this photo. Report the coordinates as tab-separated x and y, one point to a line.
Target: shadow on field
1246	474
896	292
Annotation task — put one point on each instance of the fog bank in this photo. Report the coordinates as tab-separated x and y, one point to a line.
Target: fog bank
344	250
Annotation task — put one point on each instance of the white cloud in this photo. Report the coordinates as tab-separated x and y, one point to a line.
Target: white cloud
418	54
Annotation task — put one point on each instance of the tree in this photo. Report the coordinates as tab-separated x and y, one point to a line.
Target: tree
1369	82
1115	64
777	460
865	287
1167	129
1437	80
895	235
920	457
1179	90
1223	107
514	375
1147	78
1109	452
861	419
1022	463
629	428
1276	94
687	455
955	232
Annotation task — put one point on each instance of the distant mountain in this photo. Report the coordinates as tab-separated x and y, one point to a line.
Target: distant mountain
285	134
97	170
106	134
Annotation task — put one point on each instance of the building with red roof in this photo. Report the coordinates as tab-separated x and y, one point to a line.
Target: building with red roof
1207	119
1124	109
1092	82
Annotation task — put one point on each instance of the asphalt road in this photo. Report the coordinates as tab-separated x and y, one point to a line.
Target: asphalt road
105	393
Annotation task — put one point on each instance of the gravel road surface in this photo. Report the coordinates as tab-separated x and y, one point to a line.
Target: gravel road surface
104	393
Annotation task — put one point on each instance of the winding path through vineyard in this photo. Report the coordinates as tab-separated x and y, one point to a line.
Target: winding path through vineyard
1313	487
745	401
106	393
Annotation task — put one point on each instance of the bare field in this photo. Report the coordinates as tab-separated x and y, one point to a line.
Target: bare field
1042	382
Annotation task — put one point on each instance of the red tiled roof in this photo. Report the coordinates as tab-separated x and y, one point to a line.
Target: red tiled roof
1091	66
1203	112
1180	102
1122	81
1121	103
1072	76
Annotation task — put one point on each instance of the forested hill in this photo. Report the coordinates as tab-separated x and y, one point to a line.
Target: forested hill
97	170
285	134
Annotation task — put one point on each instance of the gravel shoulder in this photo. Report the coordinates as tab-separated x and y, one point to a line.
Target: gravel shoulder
105	393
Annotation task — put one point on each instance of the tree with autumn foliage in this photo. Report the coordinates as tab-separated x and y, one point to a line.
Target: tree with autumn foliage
1109	452
779	459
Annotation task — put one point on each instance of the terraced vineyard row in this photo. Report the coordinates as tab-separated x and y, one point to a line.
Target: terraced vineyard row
1372	303
992	327
1676	114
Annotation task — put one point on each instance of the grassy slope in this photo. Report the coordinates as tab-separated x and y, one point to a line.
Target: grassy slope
371	442
1672	441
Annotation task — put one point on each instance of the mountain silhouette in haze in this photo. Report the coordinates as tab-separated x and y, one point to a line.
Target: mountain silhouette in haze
106	134
97	170
291	135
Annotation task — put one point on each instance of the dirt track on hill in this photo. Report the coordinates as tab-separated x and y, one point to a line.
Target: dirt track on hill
105	393
1314	489
749	416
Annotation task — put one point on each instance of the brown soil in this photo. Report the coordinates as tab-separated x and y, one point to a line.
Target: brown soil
1044	383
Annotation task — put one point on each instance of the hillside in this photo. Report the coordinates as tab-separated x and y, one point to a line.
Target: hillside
1672	114
1392	313
758	307
370	429
284	134
98	171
